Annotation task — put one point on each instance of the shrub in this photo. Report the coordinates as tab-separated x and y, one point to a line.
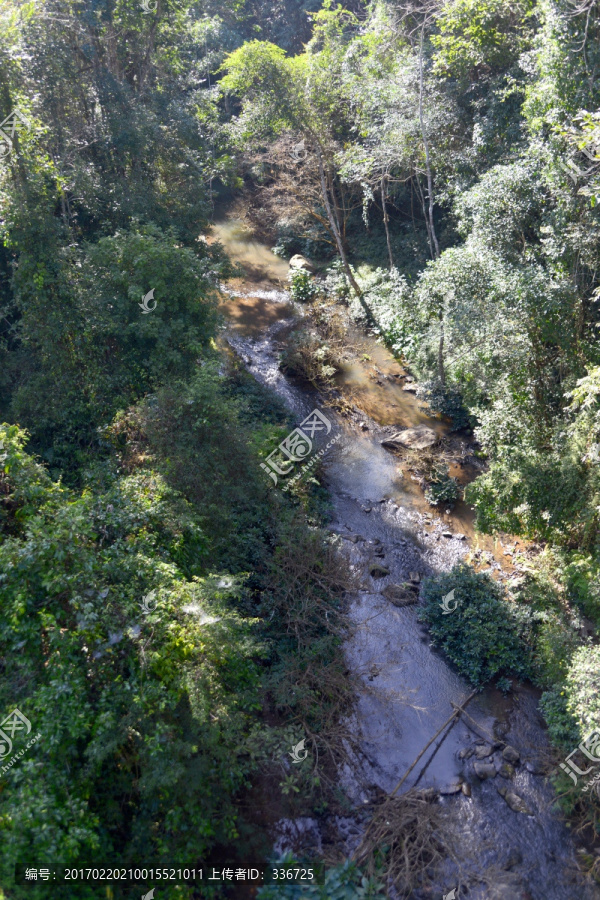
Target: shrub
443	489
485	635
572	708
302	287
535	495
447	400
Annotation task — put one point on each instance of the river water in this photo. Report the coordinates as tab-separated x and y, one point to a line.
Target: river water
407	687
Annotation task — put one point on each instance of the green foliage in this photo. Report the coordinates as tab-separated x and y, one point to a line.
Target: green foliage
106	351
447	400
442	490
485	636
302	287
536	496
572	708
387	297
478	35
125	701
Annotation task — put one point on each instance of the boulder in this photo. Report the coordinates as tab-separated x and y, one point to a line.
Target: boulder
410	388
516	803
454	788
482	751
354	538
511	755
399	595
506	770
418	438
378	571
466	753
484	770
302	263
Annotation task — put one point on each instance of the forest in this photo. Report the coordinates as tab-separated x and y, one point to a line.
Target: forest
172	623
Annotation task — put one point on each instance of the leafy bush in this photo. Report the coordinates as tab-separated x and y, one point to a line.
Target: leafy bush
447	400
535	495
302	286
572	708
442	488
485	635
125	700
309	358
388	298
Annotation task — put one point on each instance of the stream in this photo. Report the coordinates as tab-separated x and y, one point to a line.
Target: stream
407	687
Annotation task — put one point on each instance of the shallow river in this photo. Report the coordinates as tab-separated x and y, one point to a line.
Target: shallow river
407	687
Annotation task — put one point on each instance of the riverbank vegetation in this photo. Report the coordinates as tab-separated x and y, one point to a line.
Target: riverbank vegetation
452	164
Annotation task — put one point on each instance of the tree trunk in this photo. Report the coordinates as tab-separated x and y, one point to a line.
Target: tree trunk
433	243
441	369
435	249
336	230
385	223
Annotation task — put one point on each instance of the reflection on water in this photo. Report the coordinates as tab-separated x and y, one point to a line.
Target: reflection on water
376	387
257	260
253	315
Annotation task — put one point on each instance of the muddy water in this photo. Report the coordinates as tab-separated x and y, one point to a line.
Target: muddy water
380	515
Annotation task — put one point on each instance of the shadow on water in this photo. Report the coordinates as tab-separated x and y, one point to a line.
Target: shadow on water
408	687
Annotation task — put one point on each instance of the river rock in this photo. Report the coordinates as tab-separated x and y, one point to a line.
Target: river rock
484	770
506	770
466	753
511	755
378	571
466	788
418	438
355	538
516	803
399	595
482	751
301	262
454	788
